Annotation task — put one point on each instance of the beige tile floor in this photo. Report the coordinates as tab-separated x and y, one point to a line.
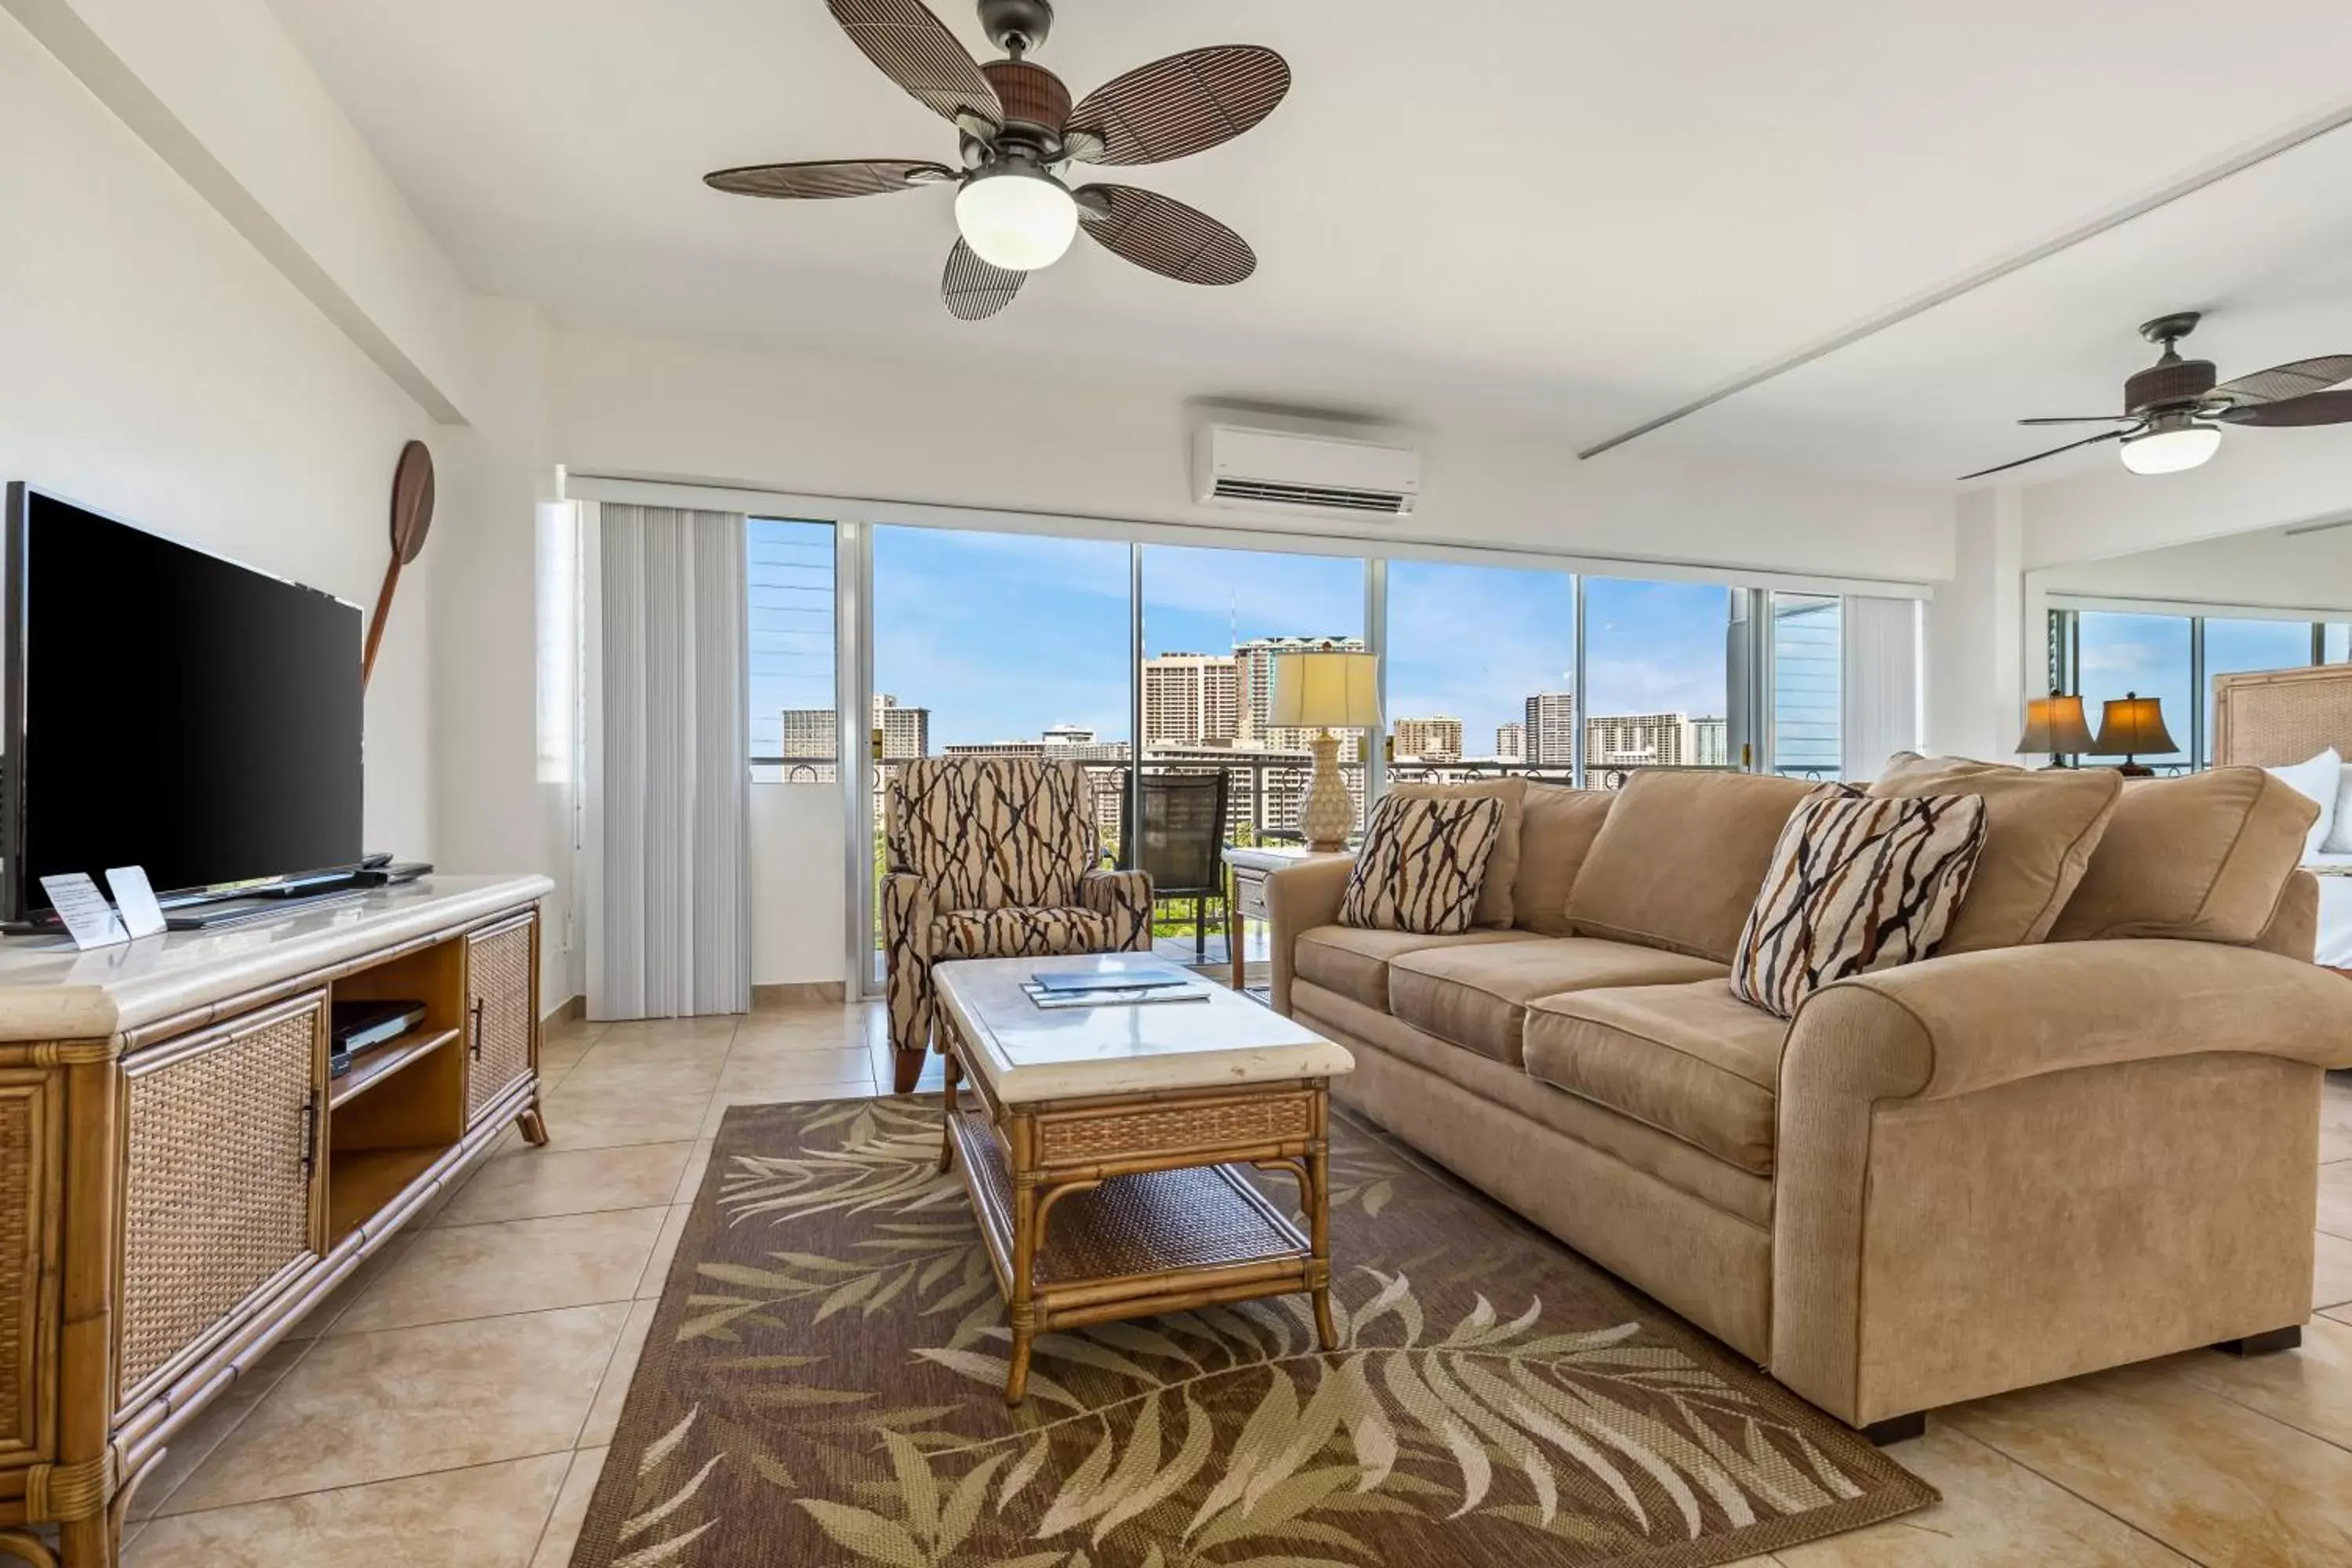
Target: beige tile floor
451	1402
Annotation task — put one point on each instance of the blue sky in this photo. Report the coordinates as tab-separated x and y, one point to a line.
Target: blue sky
1002	635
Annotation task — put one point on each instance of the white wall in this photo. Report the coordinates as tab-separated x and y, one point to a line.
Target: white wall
160	369
2261	479
2272	569
1117	449
1976	633
798	914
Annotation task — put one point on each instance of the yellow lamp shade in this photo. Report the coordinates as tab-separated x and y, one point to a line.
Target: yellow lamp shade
2132	725
1327	689
2054	724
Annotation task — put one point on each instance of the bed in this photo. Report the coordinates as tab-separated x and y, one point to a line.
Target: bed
2275	717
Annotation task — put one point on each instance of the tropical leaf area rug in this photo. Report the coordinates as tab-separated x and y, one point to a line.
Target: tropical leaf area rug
822	1387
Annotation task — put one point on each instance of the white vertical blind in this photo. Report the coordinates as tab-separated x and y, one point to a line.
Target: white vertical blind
1882	682
669	758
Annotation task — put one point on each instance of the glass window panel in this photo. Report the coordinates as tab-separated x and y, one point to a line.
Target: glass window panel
1214	621
1657	667
2121	654
1471	649
2337	642
1807	686
790	690
2234	646
1001	643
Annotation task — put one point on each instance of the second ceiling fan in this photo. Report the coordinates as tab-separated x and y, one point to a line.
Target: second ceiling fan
1018	131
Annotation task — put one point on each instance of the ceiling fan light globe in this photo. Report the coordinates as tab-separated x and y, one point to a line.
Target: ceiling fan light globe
2171	449
1017	220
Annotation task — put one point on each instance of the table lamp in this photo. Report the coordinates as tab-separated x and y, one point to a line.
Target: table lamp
2129	725
2054	724
1323	690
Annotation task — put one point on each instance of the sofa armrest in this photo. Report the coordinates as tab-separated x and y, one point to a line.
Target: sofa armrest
1125	898
1299	899
2294	927
1954	1026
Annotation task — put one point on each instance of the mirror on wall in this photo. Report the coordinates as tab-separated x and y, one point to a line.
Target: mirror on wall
2160	625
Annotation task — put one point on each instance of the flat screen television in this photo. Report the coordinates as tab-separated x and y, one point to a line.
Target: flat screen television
170	709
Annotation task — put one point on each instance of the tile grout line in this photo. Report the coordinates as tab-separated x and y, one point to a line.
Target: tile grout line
2180	1552
378	1481
300	1357
562	1482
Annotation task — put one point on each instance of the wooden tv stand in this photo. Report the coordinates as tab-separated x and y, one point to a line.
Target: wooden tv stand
180	1181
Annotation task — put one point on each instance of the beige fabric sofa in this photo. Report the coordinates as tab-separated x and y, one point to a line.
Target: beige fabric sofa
1993	1169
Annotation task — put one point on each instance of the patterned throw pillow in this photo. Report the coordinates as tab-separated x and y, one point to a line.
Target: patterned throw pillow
1857	884
1421	865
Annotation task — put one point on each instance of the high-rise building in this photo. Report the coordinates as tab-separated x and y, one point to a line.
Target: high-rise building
1511	743
1068	735
1637	740
810	732
1436	739
1550	729
1254	659
1711	742
1190	699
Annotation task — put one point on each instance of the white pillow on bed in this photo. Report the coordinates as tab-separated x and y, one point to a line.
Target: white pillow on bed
2327	780
2338	840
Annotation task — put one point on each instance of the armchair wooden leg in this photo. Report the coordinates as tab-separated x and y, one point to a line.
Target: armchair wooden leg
2285	1339
906	1067
1896	1428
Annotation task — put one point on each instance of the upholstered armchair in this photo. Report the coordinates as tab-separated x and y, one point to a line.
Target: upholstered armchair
994	857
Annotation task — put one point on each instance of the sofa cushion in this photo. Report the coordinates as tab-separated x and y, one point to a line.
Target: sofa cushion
1354	962
1557	827
1476	997
1692	1060
2203	857
2039	830
1495	903
1421	865
1856	885
1679	861
1911	765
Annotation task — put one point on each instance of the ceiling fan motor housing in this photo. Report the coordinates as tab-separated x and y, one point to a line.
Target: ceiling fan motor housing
1034	98
2167	383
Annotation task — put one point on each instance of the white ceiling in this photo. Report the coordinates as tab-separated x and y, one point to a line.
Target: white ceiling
1569	215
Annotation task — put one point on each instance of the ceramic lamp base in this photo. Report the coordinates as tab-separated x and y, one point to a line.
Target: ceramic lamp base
1326	816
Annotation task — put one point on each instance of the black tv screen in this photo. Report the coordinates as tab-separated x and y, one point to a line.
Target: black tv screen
169	710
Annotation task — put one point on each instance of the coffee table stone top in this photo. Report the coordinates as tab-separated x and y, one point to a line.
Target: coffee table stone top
1030	1054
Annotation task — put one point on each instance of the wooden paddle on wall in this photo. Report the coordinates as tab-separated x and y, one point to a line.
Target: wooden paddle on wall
411	516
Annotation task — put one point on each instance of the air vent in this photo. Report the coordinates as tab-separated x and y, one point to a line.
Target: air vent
1241	467
1270	492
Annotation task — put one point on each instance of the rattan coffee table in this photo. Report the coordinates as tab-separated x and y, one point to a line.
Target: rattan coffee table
1102	1148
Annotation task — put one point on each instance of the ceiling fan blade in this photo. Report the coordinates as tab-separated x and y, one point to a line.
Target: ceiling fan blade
814	181
2313	408
915	49
2281	381
973	290
2085	419
1164	235
2086	441
1184	104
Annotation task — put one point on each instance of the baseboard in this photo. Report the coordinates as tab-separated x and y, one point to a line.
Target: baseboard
572	1011
798	994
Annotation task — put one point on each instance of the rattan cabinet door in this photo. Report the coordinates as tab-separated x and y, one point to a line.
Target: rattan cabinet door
221	1182
499	1009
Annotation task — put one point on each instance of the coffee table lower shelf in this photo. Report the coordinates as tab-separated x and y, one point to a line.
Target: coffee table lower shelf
1128	1246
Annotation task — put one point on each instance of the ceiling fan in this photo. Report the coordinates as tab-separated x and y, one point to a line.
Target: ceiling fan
2173	412
1019	132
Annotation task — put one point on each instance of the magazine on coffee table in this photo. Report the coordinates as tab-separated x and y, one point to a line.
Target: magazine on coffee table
1133	997
1065	980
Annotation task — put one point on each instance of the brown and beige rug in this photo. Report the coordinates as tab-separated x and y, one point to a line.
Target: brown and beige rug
822	1387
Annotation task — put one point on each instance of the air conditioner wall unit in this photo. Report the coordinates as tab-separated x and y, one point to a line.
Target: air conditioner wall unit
1249	468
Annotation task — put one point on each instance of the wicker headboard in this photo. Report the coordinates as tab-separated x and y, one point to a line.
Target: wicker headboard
2273	717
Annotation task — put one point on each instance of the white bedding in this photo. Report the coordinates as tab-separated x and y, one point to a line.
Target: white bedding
2335	913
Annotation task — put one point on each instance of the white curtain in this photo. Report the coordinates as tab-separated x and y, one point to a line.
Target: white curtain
669	913
1882	682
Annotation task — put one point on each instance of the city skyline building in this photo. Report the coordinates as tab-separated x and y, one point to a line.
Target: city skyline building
1511	743
1192	698
1549	730
1434	738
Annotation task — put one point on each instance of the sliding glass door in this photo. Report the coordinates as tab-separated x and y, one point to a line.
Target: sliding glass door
999	644
1657	665
1481	670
